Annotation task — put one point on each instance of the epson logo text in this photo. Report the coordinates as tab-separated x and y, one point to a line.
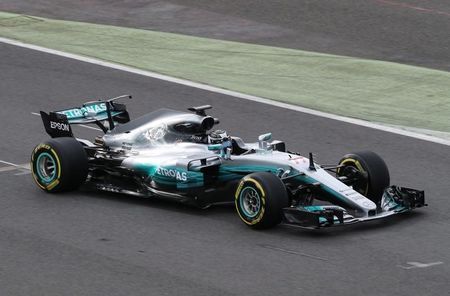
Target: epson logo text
59	126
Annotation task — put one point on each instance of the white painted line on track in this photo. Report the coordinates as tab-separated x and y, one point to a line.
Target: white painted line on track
24	169
413	265
22	172
83	125
7	169
227	92
17	166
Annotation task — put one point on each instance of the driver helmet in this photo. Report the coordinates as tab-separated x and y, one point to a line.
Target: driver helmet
217	137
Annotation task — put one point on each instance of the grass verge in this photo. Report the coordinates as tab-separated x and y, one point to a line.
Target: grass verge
376	91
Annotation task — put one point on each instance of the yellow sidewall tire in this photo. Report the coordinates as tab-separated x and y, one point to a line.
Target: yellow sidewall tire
70	165
269	196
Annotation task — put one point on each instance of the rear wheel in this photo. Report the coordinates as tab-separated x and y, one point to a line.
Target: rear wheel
259	200
368	171
59	164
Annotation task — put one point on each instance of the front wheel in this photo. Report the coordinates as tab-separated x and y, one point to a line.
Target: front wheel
259	200
368	171
59	164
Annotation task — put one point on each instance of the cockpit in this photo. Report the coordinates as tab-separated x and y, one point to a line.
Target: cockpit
163	126
166	126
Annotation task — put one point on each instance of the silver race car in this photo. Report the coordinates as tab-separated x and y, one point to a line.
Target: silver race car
179	156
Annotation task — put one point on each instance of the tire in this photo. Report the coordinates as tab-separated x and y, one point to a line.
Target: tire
59	164
259	200
372	173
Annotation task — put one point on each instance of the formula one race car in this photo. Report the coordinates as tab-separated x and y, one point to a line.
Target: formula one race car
176	155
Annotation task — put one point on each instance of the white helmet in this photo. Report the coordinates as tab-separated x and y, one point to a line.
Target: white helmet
217	137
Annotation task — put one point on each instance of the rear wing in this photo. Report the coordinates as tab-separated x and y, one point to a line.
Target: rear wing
105	114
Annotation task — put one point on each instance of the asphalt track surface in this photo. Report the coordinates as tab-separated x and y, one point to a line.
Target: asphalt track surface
89	243
415	32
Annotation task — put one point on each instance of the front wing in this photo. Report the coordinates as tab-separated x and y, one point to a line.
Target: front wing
395	200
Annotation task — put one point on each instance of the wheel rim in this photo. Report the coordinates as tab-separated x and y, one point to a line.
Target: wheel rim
250	202
362	184
46	167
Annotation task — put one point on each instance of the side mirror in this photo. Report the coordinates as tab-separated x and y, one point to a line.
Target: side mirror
265	137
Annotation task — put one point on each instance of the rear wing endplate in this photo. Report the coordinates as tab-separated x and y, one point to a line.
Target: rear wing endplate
56	125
